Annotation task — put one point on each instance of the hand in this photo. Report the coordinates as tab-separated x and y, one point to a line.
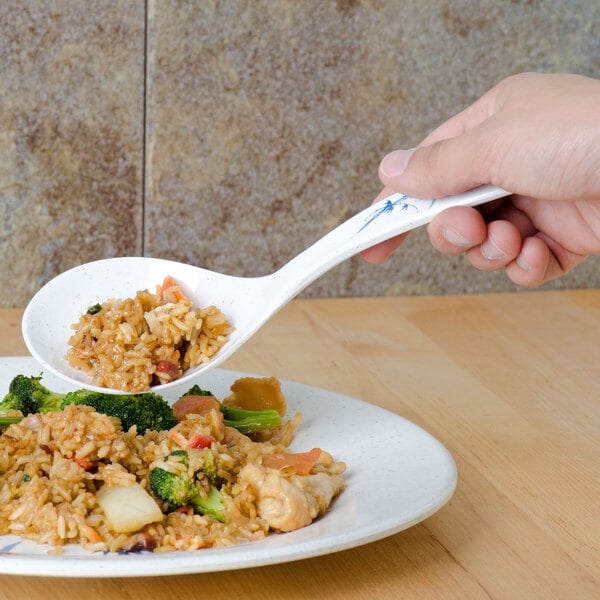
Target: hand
535	135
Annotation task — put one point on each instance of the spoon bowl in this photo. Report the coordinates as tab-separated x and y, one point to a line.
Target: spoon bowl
247	302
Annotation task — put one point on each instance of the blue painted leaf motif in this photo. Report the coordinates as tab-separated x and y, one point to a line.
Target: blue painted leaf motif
388	207
9	548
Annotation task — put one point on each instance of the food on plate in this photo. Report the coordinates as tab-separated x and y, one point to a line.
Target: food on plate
134	343
235	415
219	474
253	392
290	502
147	410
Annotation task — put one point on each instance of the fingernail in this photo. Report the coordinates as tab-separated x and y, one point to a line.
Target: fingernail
491	251
522	262
395	162
456	239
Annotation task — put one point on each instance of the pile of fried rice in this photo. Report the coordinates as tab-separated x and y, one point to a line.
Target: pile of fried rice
134	343
53	466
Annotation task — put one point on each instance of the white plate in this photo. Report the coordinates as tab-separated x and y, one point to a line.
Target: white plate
397	475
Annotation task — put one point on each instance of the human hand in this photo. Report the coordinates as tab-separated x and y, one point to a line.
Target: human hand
535	135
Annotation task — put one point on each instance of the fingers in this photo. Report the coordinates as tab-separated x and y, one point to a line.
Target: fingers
503	239
529	257
501	246
543	259
457	230
488	246
534	265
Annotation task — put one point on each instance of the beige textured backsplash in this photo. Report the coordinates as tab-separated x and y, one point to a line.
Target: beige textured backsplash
233	134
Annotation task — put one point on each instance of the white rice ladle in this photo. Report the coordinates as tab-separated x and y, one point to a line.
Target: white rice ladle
247	302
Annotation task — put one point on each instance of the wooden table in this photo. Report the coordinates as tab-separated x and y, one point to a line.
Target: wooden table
509	383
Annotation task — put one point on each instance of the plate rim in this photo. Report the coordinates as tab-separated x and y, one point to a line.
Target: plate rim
266	553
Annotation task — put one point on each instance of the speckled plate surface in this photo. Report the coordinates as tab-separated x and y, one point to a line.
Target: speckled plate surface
398	475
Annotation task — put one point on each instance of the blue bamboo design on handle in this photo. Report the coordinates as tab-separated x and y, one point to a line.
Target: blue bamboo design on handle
390	205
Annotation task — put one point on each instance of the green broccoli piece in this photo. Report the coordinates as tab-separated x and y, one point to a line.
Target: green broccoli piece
145	410
196	390
250	421
209	468
27	394
81	396
6	420
245	421
96	308
179	489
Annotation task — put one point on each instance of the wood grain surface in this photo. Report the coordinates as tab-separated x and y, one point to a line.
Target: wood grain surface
509	383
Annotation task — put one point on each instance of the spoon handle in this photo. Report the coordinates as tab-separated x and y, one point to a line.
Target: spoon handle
383	220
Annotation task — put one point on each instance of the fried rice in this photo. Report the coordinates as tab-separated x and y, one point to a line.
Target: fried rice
131	344
53	465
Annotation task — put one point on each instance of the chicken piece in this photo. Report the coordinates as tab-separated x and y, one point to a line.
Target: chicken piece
290	502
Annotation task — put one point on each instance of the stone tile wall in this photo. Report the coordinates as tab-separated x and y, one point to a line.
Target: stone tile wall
233	134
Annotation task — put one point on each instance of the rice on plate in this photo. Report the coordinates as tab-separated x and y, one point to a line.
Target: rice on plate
74	476
153	338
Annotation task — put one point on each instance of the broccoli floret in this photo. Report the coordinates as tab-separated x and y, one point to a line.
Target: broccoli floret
145	410
27	394
245	421
179	489
80	396
209	468
196	390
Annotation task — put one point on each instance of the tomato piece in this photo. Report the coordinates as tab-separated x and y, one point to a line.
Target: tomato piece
201	441
168	368
196	405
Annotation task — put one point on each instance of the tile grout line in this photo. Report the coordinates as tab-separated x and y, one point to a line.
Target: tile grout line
144	128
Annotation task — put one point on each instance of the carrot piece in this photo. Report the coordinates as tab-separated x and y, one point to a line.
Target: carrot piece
303	462
85	463
91	534
168	283
178	438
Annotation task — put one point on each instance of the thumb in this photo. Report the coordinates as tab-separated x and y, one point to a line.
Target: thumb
445	167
